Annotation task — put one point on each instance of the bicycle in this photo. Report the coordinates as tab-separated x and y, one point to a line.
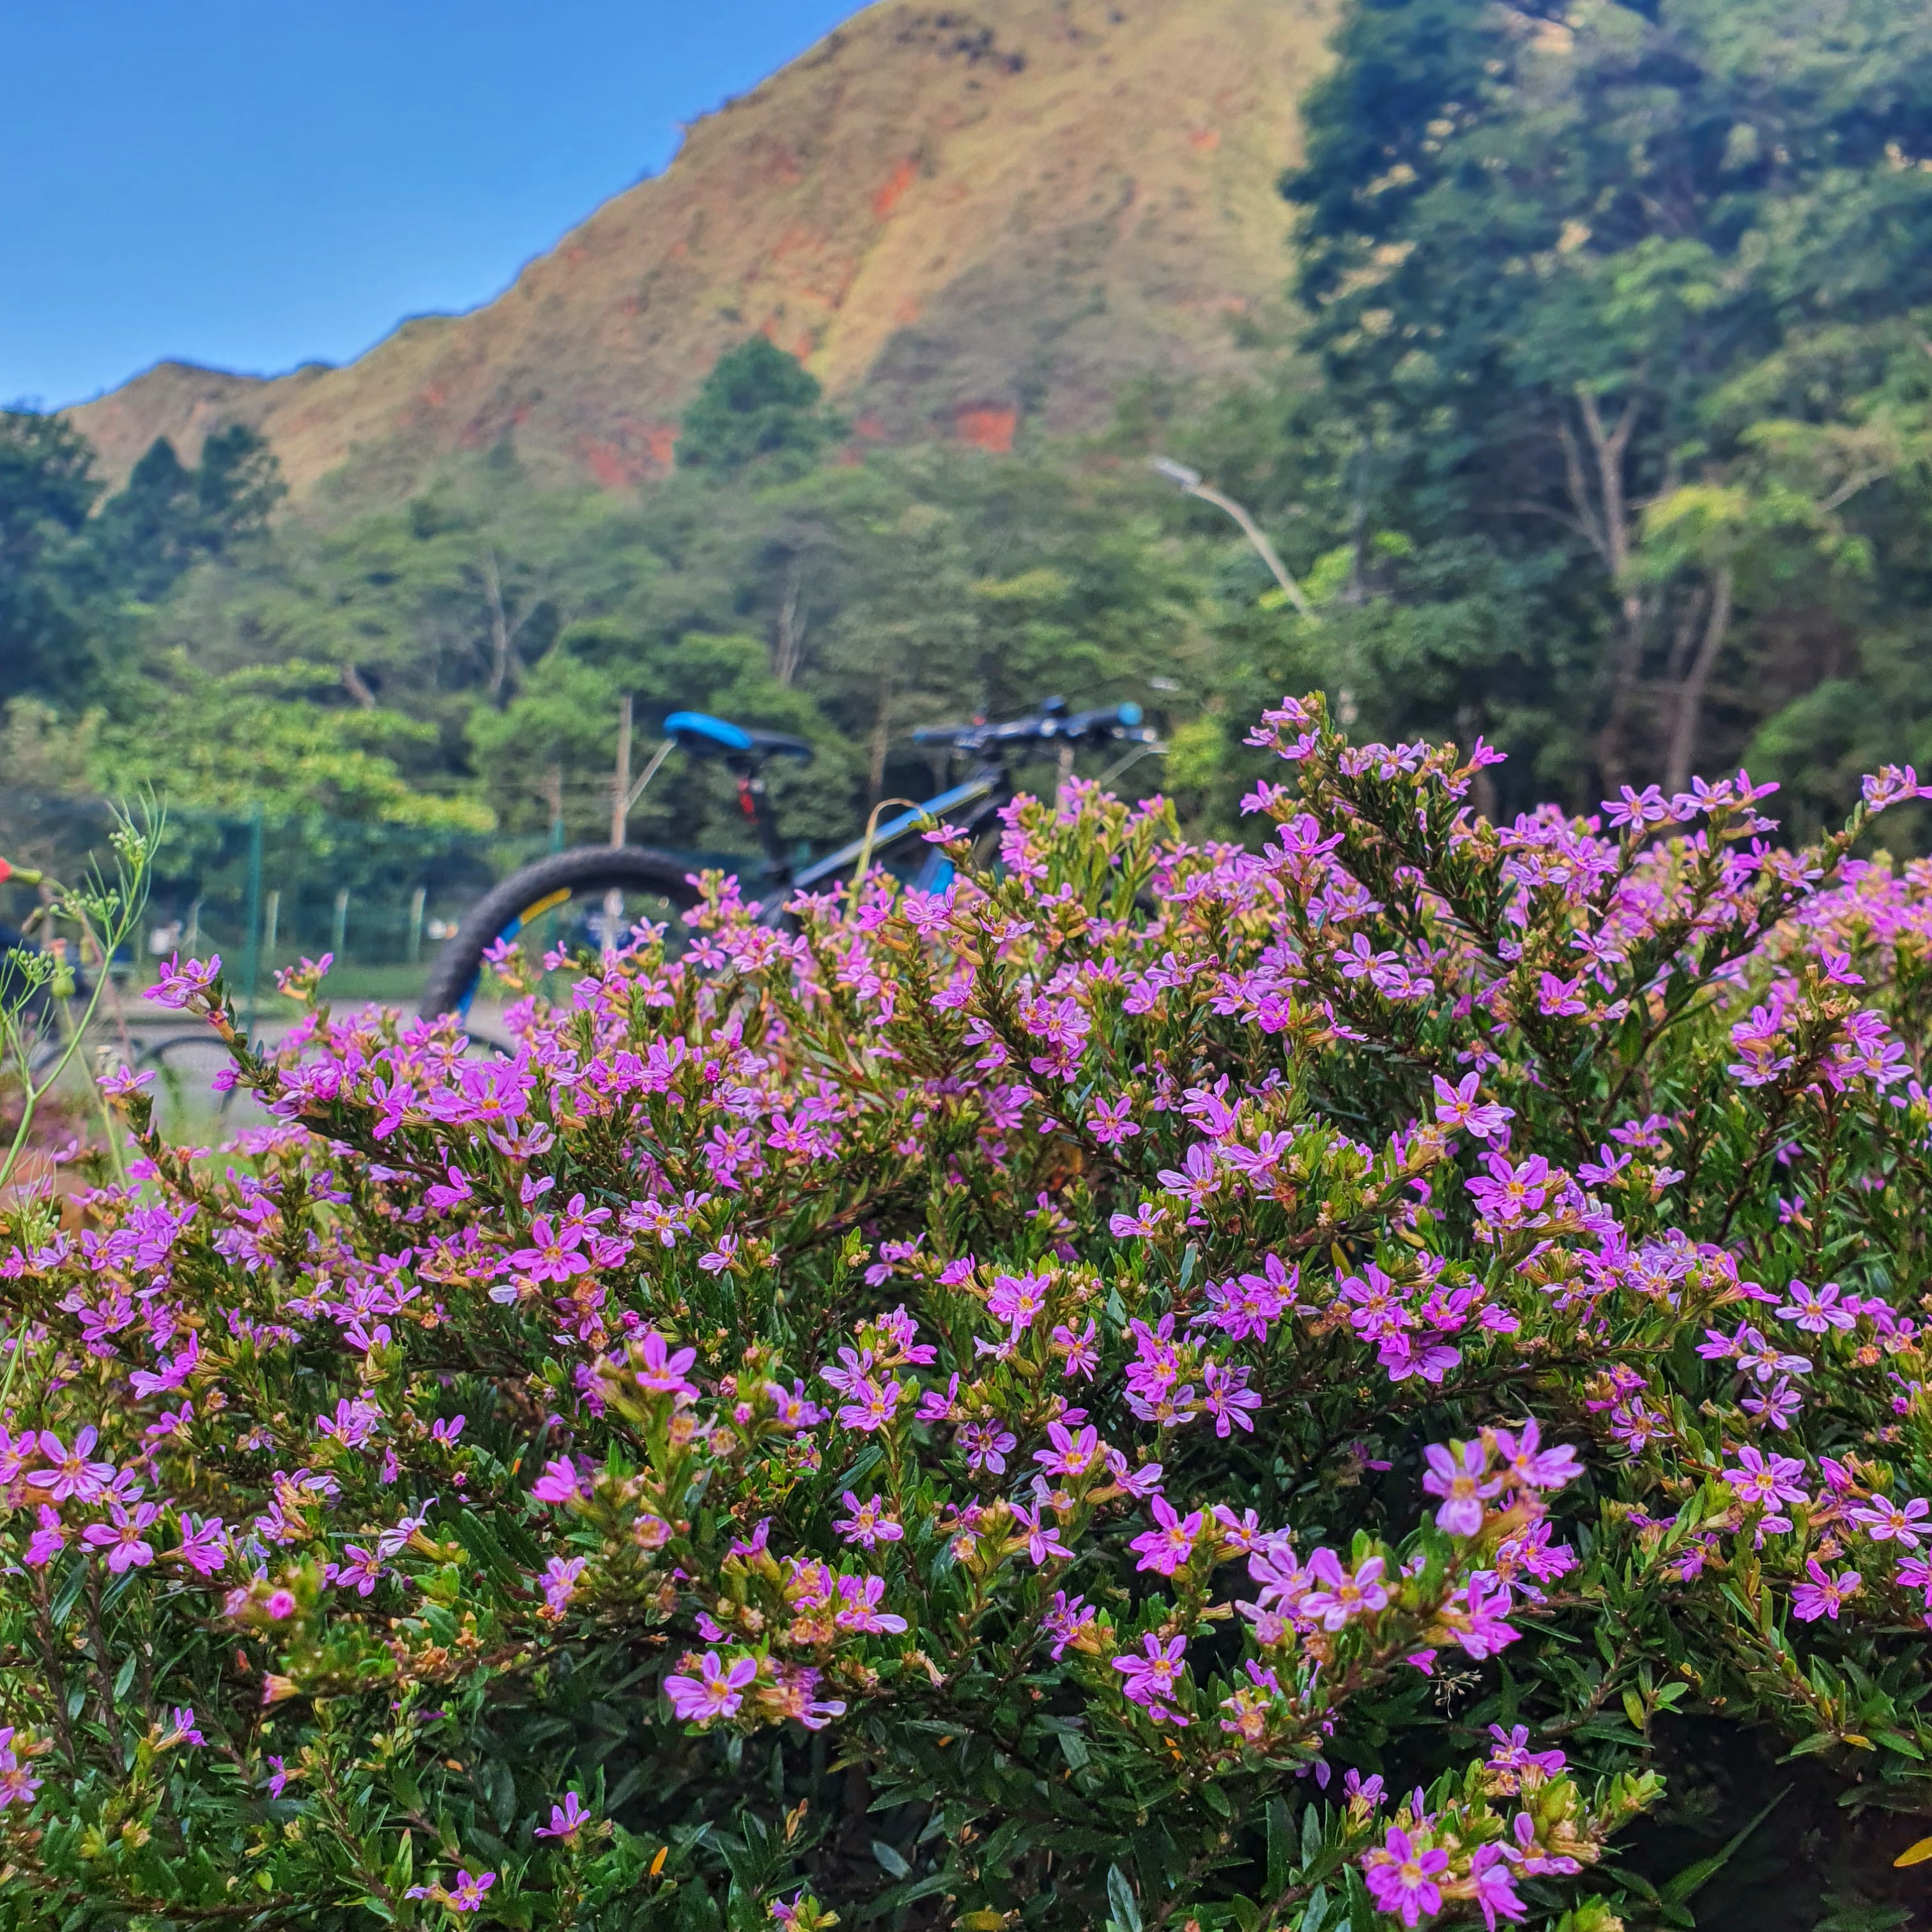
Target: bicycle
657	885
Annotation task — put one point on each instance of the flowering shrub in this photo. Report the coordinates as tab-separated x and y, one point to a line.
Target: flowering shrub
1164	1386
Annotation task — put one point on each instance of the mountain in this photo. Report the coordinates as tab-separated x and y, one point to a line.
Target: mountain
962	218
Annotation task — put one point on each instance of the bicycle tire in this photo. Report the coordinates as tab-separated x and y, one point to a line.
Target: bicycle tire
509	905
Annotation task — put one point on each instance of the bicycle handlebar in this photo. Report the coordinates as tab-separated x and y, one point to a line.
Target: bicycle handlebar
1050	724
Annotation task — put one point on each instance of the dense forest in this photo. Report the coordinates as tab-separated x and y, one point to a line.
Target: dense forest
1600	430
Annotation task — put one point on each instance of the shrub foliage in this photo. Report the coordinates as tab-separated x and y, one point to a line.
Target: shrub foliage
1163	1386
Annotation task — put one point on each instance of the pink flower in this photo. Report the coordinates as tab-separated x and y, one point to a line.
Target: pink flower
717	1692
1495	1892
1458	1478
121	1538
859	1600
1069	1619
1768	1480
73	1475
179	983
662	1371
1342	1595
1402	1876
870	1523
1016	1299
1530	1467
1167	1546
1824	1595
566	1820
47	1541
466	1895
1884	1520
1152	1677
1082	1353
1511	1756
204	1546
1457	1106
1042	1538
559	1482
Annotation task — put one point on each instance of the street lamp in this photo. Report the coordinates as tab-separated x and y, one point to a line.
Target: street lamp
1190	481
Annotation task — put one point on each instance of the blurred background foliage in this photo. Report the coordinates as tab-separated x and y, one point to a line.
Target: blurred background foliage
1601	428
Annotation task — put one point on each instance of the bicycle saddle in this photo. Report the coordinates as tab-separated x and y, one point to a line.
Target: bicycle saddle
707	737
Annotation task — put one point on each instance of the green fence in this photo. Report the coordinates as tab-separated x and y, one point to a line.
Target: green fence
266	894
263	895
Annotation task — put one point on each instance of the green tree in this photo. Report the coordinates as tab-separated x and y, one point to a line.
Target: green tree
169	517
758	407
47	488
1560	262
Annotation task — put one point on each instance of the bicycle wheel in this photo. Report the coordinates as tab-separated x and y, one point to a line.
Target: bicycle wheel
573	887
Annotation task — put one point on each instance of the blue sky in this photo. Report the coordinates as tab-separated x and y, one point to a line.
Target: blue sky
253	183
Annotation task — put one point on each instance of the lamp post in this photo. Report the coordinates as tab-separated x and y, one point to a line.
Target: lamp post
1190	481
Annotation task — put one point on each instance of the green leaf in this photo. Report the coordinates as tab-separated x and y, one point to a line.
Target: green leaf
1692	1878
1279	1845
1125	1908
890	1860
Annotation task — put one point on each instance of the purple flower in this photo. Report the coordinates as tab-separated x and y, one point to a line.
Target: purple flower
566	1820
1759	1479
1017	1299
1457	1106
1068	1453
986	1445
1460	1476
361	1573
1342	1595
1530	1467
1081	1350
179	983
1402	1876
859	1600
1066	1622
870	1523
1167	1546
1042	1538
1151	1678
1511	1757
47	1541
560	1580
716	1692
1824	1595
122	1538
73	1475
661	1371
466	1895
1816	1309
183	1731
1885	1521
559	1482
1489	1869
204	1545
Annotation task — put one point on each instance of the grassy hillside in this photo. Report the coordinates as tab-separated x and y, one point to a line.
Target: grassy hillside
962	219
